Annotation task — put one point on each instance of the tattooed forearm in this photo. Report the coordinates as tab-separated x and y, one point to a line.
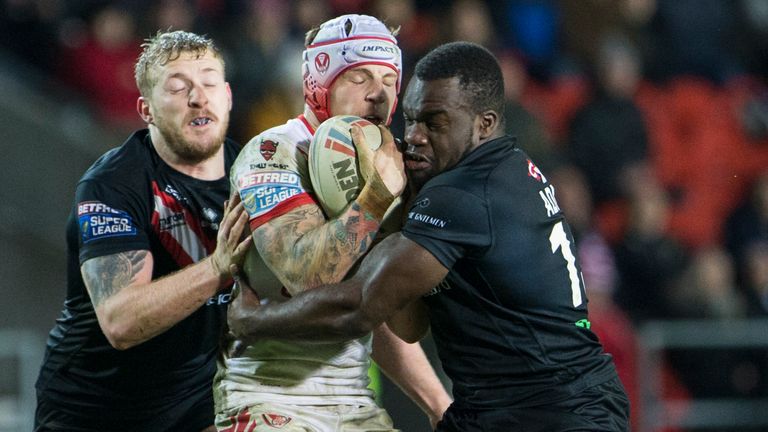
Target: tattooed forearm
303	255
105	276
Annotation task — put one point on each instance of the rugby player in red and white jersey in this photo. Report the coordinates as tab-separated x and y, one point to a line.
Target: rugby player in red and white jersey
352	66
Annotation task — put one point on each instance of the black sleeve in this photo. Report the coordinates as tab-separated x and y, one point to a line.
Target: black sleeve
450	223
110	220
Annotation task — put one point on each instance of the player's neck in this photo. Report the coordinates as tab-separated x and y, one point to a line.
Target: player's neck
311	118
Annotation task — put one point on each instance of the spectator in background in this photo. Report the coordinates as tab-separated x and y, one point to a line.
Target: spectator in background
708	288
418	29
585	24
708	292
648	259
533	29
307	14
755	277
470	20
748	224
530	132
264	53
753	37
608	137
28	28
169	14
694	37
100	65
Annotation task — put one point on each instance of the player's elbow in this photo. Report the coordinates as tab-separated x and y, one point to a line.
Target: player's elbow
118	336
410	335
121	335
356	326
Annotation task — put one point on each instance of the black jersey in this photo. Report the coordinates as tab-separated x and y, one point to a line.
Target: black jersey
130	199
510	319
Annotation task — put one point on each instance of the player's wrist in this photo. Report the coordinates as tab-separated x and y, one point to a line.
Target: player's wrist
219	271
375	198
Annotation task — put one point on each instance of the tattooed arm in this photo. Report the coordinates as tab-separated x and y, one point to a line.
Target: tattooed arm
132	308
304	250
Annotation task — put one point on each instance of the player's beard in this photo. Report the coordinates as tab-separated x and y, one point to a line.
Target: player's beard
191	151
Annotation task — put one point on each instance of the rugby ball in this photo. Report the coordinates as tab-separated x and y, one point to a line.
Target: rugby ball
334	168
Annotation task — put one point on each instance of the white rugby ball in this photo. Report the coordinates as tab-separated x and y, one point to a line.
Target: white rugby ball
334	169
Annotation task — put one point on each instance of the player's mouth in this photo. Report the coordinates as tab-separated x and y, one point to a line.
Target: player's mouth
415	161
200	121
374	119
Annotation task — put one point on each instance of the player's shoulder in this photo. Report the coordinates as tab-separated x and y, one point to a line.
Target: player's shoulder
496	164
125	163
277	146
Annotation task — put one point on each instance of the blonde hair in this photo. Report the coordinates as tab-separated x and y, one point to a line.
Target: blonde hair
165	47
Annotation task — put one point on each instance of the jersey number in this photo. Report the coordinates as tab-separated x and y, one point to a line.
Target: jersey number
558	240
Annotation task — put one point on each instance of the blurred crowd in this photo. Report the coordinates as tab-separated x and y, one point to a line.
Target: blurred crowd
650	116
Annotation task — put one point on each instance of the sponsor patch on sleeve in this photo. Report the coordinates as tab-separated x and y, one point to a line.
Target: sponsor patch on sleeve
418	214
264	190
97	220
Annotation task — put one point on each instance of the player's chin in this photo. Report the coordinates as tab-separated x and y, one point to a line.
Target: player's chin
418	173
417	166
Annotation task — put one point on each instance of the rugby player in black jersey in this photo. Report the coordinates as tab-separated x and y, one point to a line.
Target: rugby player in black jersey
150	245
485	258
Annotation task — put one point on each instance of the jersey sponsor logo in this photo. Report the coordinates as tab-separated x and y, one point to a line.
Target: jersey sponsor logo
98	220
268	148
427	219
262	191
583	323
258	200
273	178
220	299
346	178
535	172
171	221
276	421
550	203
174	193
322	62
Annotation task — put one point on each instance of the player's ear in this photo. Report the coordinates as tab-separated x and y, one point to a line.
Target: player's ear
143	109
488	122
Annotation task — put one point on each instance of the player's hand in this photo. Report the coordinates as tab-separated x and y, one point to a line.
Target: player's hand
245	302
387	160
231	243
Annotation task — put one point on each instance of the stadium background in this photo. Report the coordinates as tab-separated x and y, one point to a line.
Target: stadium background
649	116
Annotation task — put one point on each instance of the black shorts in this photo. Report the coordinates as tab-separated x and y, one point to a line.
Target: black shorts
601	408
192	414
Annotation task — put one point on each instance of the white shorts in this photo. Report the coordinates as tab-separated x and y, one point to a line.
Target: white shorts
298	418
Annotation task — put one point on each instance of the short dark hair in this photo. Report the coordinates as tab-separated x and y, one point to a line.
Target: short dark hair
477	69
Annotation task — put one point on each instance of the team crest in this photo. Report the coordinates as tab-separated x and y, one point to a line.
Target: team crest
275	420
533	171
268	149
322	62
